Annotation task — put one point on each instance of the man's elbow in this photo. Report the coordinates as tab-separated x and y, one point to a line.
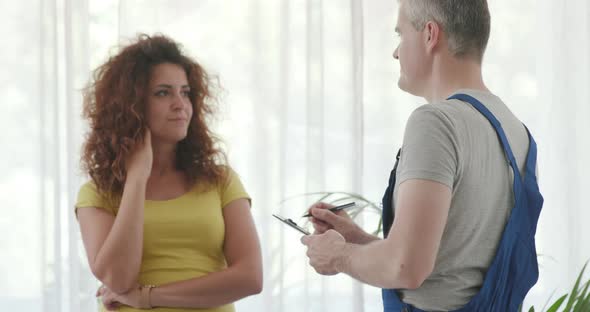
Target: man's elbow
416	276
409	276
413	282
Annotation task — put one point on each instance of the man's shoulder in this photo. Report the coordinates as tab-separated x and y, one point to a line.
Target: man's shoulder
442	112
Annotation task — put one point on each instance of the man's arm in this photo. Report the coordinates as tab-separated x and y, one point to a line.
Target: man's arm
323	220
407	257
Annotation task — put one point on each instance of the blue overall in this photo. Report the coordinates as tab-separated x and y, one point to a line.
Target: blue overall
514	269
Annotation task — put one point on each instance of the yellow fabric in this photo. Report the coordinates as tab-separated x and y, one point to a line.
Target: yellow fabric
183	237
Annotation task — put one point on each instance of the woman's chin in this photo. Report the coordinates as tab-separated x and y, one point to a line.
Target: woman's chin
171	138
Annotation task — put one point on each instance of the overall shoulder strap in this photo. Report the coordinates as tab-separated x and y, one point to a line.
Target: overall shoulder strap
531	159
497	126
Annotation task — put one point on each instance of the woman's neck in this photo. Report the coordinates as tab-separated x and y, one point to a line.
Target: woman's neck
164	161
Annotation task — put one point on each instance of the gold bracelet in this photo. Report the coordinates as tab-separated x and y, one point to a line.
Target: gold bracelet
144	299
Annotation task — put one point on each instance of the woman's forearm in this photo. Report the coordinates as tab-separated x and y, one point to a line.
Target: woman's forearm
209	291
118	261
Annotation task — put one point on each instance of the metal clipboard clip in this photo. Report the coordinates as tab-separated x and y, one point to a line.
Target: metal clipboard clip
292	224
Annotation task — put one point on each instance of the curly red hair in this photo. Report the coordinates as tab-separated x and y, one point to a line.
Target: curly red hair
114	105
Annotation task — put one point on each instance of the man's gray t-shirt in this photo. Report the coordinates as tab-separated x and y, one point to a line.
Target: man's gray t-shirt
450	142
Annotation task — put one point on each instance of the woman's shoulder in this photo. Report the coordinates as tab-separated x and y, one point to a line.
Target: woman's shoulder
87	189
232	187
90	196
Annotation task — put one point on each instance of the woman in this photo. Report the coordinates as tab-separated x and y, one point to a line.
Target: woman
165	224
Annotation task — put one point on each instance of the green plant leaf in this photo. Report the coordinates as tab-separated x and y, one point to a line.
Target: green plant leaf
548	300
344	199
574	292
532	309
324	197
582	296
362	204
379	227
583	301
288	198
557	304
585	307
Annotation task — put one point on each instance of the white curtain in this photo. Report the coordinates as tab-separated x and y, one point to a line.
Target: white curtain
309	103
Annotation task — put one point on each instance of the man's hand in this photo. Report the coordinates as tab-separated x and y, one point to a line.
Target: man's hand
326	252
324	220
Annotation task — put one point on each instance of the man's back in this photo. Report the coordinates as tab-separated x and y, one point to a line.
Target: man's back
452	143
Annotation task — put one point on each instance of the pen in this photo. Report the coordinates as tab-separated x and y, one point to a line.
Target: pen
334	209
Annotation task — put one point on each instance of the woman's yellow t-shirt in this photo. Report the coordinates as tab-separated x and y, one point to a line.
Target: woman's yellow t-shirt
183	237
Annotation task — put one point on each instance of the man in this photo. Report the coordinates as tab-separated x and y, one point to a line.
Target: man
454	191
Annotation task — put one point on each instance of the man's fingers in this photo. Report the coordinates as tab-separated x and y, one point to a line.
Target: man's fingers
325	216
320	227
320	205
305	239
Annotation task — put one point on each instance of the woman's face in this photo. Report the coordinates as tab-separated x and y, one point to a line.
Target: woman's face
169	109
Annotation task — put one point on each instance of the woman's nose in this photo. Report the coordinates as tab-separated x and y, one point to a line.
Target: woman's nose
177	101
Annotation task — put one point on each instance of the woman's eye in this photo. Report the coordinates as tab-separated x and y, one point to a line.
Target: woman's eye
162	93
186	93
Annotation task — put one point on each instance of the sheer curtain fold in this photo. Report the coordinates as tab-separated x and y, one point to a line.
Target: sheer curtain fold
308	103
63	72
314	131
51	287
563	73
358	136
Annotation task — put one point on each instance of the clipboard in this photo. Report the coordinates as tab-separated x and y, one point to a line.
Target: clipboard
292	224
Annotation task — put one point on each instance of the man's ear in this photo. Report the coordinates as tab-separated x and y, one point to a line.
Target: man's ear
432	35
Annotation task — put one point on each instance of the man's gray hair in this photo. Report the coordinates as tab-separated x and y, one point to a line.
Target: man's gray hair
465	22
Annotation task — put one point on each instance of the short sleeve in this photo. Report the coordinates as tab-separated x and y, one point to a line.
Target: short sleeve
232	189
88	196
430	149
